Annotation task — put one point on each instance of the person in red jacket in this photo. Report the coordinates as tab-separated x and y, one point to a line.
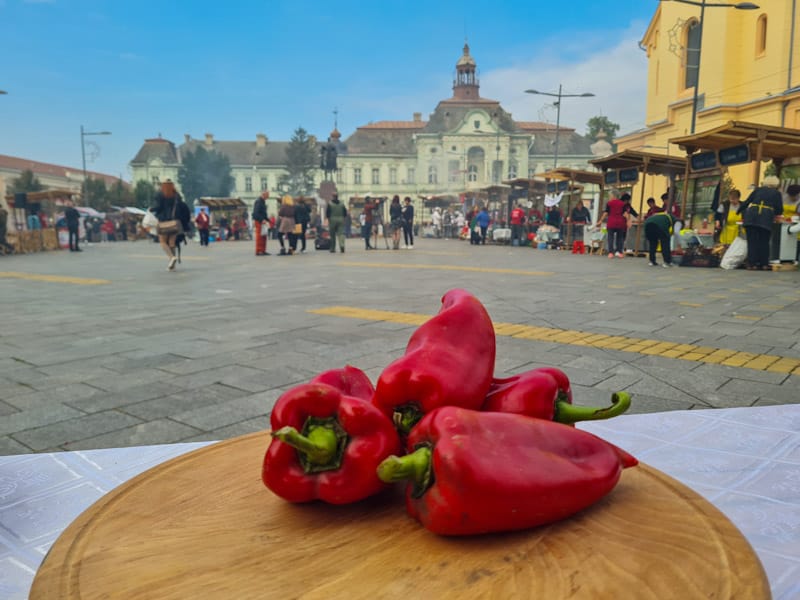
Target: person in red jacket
616	215
517	221
202	221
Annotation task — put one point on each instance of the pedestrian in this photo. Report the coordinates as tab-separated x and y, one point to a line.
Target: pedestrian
286	227
759	212
174	220
517	223
616	215
447	223
366	222
396	221
580	217
302	216
408	224
652	208
726	218
436	219
73	217
791	212
202	221
259	218
483	222
336	215
658	230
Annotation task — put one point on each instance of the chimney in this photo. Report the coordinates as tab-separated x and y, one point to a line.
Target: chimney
186	138
417	117
261	140
209	139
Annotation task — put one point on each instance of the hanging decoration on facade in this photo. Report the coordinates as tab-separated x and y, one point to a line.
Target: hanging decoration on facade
676	38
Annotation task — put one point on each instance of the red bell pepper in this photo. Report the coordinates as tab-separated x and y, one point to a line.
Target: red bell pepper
474	472
351	381
326	445
449	360
543	393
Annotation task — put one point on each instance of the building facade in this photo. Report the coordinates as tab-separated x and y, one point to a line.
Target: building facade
467	144
749	70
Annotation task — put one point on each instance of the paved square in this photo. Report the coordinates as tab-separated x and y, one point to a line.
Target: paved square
106	348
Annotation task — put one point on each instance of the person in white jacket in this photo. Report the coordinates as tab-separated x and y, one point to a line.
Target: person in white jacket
436	217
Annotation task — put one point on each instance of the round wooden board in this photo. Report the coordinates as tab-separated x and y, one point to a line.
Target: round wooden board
203	526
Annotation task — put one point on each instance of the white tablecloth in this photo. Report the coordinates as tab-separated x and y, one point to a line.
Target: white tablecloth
746	461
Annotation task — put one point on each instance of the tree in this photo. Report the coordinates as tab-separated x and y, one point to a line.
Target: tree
26	182
301	164
595	124
97	195
120	194
143	194
204	173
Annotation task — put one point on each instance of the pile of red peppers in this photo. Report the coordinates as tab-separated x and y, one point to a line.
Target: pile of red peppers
478	454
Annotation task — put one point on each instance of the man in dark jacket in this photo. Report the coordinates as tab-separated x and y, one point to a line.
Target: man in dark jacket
72	217
302	215
259	217
658	230
336	213
759	212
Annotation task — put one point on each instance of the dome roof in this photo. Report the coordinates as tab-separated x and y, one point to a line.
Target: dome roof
466	59
335	134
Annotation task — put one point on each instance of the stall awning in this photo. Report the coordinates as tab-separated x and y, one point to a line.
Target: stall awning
47	195
576	175
222	203
536	186
656	164
777	142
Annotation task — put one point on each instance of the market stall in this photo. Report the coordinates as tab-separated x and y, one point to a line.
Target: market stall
576	180
622	170
224	213
48	206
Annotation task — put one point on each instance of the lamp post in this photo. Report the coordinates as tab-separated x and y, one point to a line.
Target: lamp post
559	95
702	4
83	155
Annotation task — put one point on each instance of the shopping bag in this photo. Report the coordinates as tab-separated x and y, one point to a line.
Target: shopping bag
264	229
149	221
735	255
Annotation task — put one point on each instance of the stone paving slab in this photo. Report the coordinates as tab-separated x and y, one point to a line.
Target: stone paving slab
204	352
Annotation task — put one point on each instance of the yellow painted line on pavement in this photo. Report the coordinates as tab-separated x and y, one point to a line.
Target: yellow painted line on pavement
164	257
444	268
53	278
692	304
747	317
687	352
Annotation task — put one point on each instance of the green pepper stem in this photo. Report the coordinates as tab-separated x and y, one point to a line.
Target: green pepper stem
414	467
569	413
319	446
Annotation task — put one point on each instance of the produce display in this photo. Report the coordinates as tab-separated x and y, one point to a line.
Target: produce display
478	454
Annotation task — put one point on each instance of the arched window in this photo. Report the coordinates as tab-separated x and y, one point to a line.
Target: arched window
472	173
433	176
692	54
761	35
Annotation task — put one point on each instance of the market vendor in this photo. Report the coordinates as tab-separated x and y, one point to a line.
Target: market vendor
726	218
759	212
658	230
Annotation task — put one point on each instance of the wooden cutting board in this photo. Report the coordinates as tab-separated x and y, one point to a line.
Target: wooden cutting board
203	526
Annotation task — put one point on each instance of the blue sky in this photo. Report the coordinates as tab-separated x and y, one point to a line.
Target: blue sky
243	67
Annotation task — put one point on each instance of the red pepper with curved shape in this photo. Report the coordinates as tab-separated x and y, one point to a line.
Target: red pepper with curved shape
475	472
350	380
449	360
545	393
326	446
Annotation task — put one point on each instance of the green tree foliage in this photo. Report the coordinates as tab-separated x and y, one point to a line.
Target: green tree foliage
770	169
97	196
120	194
302	161
26	182
595	124
143	194
205	173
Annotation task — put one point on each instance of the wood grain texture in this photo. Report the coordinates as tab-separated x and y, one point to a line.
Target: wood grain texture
203	526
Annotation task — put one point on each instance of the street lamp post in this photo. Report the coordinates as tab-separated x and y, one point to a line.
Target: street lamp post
702	4
559	95
83	155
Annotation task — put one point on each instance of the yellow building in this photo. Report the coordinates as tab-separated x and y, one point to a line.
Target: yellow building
749	70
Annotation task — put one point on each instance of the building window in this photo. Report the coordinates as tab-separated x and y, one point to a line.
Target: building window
453	171
356	176
692	54
264	184
338	176
761	35
376	176
512	169
248	184
472	173
156	182
433	176
531	172
412	175
497	170
477	124
392	176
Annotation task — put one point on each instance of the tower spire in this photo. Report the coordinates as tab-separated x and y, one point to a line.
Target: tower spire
465	84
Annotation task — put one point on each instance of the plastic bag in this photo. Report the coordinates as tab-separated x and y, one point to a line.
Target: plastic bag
149	221
735	255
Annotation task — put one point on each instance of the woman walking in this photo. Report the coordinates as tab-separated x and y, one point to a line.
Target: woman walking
173	220
408	224
286	214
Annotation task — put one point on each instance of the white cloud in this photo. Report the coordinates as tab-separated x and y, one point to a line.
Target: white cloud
616	74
